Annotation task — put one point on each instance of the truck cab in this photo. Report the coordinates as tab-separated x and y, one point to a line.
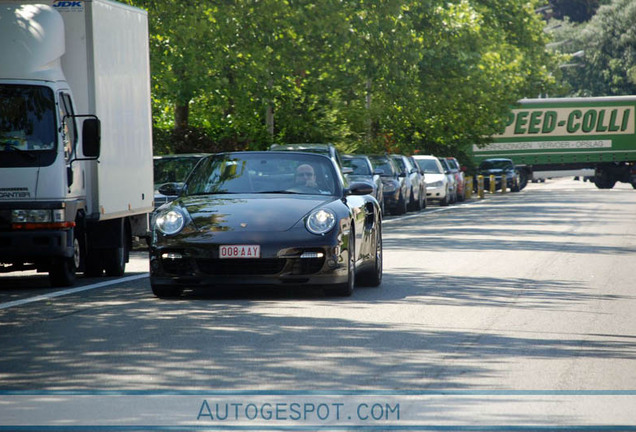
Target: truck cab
75	137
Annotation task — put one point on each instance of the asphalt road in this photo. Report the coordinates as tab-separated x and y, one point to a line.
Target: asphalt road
517	293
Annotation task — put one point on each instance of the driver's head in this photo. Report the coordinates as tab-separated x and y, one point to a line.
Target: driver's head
305	174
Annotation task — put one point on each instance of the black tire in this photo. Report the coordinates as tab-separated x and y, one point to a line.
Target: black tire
165	291
63	271
93	264
373	277
515	186
523	179
114	259
462	196
415	204
346	289
446	201
382	206
400	208
603	181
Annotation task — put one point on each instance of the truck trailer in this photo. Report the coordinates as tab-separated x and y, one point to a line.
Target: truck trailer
570	134
76	181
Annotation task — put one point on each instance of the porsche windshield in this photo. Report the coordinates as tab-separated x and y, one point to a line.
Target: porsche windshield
264	172
27	118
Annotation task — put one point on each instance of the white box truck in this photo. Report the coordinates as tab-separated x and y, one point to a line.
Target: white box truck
75	136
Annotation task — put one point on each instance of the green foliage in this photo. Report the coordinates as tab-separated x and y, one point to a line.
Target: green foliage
606	45
397	75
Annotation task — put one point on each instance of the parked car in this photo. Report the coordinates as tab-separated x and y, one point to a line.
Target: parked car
437	183
498	167
423	182
326	149
452	180
362	170
267	218
460	181
173	169
416	194
394	186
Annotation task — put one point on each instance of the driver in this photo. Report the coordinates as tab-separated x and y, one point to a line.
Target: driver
305	176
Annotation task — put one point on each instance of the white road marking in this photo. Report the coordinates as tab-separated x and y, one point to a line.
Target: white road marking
42	297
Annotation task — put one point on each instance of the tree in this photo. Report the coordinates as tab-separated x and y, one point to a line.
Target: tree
392	75
606	47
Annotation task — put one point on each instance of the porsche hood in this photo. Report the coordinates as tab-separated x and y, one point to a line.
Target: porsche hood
256	213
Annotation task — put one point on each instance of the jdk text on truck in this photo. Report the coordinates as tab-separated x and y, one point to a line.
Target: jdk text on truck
75	136
570	134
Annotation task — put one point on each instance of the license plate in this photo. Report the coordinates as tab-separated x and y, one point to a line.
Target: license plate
239	251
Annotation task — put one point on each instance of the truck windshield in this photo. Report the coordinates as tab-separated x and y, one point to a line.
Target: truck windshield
27	118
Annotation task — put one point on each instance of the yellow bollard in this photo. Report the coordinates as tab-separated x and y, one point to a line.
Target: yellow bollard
469	187
493	184
480	186
504	183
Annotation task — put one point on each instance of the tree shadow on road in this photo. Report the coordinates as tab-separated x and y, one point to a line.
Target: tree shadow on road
273	340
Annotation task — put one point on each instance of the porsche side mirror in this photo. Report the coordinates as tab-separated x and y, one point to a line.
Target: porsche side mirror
360	188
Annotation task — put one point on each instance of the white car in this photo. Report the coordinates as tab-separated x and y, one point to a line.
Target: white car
438	185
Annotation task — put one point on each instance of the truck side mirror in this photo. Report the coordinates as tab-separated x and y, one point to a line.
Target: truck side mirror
91	137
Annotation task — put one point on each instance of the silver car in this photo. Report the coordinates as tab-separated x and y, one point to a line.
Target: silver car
452	180
437	183
362	170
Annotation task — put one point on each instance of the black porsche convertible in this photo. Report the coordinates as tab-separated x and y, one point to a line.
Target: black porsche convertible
267	219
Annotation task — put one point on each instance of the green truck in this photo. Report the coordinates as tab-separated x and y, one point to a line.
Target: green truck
568	134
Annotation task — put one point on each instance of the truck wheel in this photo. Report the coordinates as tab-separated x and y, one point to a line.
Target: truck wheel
63	270
93	264
603	181
114	259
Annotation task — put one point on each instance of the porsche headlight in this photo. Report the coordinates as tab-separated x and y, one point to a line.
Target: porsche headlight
170	221
321	221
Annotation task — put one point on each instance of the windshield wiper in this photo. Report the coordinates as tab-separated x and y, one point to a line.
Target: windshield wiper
214	193
282	191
